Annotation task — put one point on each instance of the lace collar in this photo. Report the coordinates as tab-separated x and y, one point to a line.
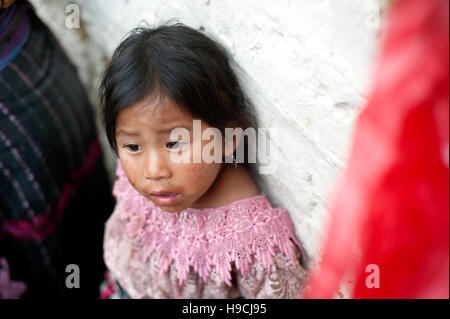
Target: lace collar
207	238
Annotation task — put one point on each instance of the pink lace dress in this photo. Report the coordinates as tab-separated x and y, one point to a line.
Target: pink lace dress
246	249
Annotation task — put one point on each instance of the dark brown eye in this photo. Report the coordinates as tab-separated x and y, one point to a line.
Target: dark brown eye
173	145
133	147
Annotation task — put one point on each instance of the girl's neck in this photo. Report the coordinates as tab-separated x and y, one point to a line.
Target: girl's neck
232	183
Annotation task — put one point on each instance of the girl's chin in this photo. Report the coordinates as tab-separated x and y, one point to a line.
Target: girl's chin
172	209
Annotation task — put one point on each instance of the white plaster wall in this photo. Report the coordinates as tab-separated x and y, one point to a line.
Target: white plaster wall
305	64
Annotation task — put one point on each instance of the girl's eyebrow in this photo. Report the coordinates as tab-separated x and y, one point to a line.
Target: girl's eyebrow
122	132
166	130
169	129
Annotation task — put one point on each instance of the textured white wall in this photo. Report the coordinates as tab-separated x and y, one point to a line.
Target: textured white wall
305	64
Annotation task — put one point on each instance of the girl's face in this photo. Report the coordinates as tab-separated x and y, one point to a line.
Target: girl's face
144	148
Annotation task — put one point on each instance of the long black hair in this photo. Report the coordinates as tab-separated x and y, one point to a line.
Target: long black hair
182	63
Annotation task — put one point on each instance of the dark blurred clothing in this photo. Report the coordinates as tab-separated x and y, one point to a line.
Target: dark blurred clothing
55	195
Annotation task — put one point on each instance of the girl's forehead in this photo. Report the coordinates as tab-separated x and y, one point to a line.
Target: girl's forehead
155	114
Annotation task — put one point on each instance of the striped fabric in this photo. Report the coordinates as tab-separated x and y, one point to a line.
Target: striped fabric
14	31
54	192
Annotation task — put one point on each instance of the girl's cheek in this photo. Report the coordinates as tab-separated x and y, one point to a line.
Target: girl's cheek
129	168
200	173
124	161
193	168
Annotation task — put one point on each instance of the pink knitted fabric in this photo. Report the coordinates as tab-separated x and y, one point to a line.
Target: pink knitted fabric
9	289
241	234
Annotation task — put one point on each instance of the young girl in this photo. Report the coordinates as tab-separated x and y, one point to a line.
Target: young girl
189	229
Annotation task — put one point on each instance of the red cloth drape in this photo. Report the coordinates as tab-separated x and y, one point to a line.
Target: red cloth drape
391	206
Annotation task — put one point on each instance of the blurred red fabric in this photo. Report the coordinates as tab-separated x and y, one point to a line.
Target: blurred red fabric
391	206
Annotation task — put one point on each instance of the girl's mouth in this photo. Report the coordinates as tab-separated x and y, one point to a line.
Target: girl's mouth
166	199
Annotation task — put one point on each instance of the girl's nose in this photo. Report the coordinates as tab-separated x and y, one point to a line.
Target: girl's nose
156	166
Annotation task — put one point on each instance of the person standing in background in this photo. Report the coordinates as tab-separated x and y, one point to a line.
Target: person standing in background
55	195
